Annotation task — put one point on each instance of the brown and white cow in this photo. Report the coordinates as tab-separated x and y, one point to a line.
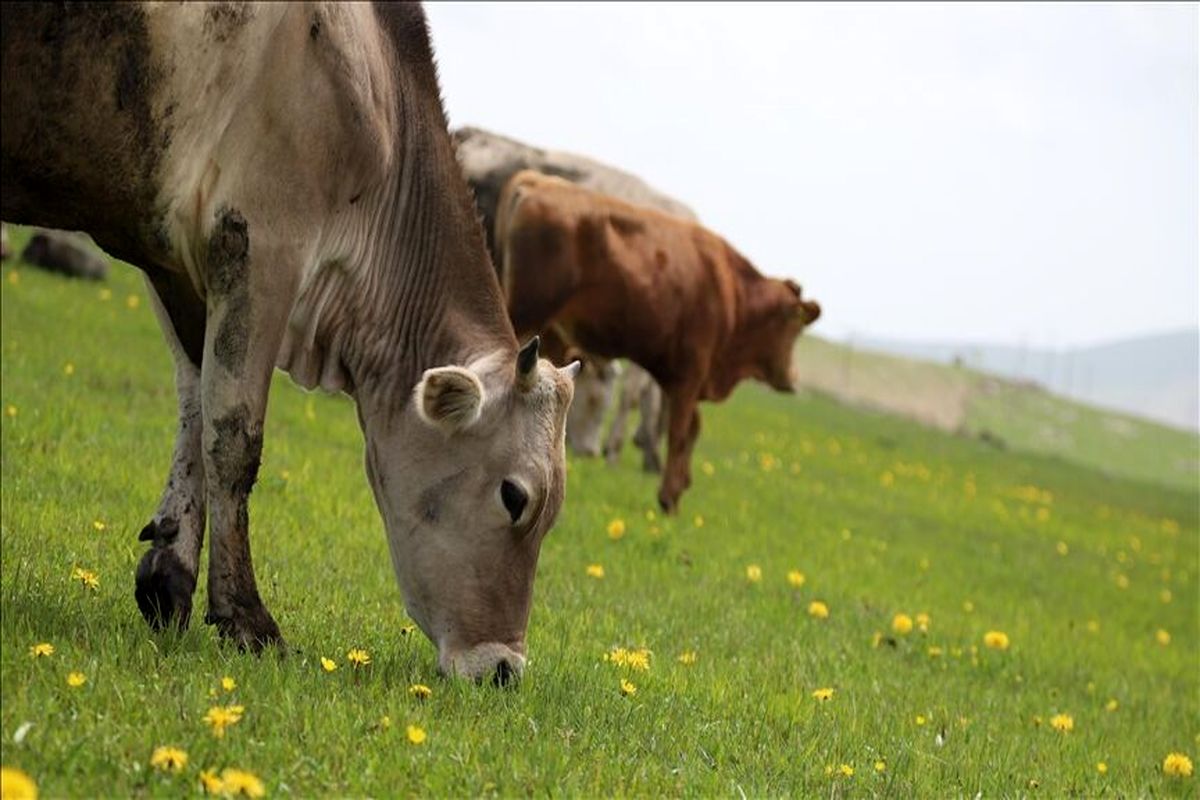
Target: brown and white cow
621	280
488	161
283	175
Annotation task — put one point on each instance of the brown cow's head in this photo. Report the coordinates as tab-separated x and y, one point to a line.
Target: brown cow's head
765	338
468	499
791	314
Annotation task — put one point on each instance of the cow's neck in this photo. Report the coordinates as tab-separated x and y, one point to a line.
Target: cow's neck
426	293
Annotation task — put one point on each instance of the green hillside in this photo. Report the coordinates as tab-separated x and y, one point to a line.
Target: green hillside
1018	416
1091	578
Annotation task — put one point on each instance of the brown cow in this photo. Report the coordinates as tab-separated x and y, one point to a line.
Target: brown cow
621	280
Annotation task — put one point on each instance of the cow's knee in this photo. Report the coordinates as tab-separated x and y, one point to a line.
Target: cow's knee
235	451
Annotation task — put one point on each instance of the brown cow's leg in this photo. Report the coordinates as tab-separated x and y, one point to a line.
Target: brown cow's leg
248	305
684	422
166	576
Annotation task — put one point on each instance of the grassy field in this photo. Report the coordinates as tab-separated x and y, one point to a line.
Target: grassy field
1086	575
1022	416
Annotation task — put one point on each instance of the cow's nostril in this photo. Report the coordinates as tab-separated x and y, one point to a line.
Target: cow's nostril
504	673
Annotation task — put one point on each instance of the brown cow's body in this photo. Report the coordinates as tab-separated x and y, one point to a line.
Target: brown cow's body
623	281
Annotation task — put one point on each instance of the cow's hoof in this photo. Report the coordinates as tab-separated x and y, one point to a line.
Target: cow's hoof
250	629
651	465
164	589
667	502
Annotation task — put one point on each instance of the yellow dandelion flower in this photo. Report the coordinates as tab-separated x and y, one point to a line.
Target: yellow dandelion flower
1162	637
698	521
1093	626
1063	723
14	278
169	759
687	657
902	624
846	771
754	573
1101	767
616	529
88	578
1112	705
923	621
105	295
328	664
76	679
1165	595
818	609
627	688
358	657
795	578
1122	581
99	524
635	659
238	781
823	694
68	369
420	691
221	717
595	571
211	782
10	411
1062	548
881	766
708	469
996	640
132	302
15	784
228	683
968	606
41	650
920	719
1177	765
415	734
935	652
385	722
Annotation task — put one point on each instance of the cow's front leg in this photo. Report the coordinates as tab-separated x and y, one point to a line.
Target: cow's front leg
684	426
251	288
166	575
649	429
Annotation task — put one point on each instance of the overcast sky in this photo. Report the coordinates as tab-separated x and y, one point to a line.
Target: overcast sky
1000	173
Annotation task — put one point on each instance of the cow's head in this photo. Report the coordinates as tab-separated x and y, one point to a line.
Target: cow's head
470	478
593	395
775	314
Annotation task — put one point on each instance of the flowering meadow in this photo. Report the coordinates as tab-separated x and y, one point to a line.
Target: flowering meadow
846	605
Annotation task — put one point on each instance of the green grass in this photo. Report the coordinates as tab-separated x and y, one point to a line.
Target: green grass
796	483
1023	416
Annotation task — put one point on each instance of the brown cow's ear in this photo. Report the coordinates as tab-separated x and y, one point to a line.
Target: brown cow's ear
809	311
795	287
449	398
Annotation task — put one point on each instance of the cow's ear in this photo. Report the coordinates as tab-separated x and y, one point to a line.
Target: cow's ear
449	398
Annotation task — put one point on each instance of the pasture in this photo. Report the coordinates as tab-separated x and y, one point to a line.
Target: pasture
1092	580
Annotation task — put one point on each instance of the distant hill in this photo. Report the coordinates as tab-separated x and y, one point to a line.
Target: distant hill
1156	377
1015	414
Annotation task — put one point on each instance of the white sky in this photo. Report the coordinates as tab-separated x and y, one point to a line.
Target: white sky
1001	173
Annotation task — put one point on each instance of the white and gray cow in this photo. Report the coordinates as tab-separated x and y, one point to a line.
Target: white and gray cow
489	160
283	175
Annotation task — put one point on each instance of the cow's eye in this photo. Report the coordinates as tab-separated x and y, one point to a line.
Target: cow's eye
514	498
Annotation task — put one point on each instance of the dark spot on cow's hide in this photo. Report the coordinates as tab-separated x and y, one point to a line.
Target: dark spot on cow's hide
314	30
237	451
228	251
356	198
164	589
223	20
660	258
233	336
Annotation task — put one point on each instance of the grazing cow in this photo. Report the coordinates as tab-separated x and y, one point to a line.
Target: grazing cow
489	160
66	253
283	175
594	388
619	280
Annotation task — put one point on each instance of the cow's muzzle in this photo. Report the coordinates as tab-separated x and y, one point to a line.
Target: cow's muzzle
496	662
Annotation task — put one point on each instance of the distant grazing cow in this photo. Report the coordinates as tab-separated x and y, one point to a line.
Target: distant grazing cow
283	175
594	387
619	280
489	160
66	253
